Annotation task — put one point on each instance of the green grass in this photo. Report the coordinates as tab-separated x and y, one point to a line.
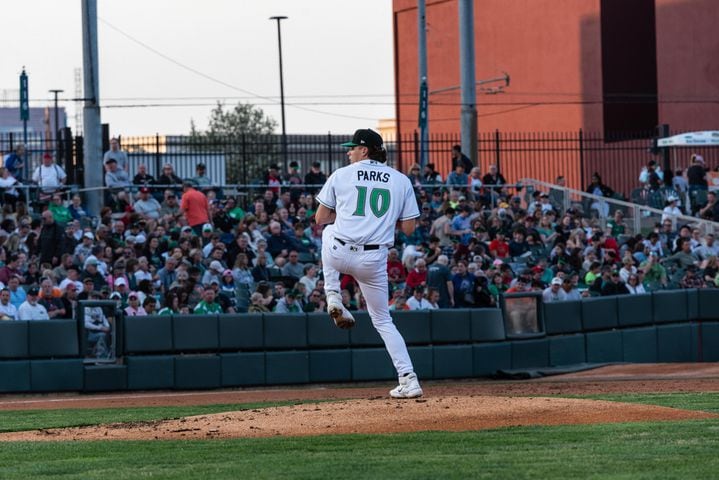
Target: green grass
685	449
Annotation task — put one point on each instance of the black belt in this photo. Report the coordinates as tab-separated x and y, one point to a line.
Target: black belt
365	247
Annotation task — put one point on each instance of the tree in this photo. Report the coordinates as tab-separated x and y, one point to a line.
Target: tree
244	134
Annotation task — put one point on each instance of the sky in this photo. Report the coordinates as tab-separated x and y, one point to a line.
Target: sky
186	55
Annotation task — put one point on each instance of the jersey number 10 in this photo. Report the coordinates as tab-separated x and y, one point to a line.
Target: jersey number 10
378	201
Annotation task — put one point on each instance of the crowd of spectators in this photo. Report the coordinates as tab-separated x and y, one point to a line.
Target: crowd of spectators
171	245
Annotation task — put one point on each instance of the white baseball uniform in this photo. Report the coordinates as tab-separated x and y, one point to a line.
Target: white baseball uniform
368	198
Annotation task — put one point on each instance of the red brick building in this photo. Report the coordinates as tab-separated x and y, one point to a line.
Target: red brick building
609	67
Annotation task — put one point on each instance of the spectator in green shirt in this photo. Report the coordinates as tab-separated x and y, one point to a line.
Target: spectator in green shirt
207	305
59	210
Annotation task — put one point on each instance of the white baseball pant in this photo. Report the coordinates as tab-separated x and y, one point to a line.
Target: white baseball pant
370	270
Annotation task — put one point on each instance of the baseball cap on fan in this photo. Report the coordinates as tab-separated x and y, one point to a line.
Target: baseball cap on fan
365	137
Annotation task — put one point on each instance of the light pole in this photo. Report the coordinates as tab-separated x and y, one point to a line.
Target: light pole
282	90
57	125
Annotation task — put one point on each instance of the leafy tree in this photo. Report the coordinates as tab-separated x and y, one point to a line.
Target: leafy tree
245	135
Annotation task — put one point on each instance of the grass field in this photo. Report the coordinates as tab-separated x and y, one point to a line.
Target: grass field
686	449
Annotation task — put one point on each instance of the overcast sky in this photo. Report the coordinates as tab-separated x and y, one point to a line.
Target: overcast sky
337	60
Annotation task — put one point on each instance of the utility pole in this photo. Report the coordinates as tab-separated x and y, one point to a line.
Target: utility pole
423	84
93	168
57	126
466	67
282	91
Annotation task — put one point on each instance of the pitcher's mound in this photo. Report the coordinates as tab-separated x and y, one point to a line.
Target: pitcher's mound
455	413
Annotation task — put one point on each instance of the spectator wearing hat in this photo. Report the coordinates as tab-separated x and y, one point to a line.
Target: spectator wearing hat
49	297
458	179
170	208
692	279
84	249
214	272
195	206
208	305
201	179
146	205
697	173
418	301
115	177
134	307
294	180
671	210
554	292
288	303
49	176
314	179
430	178
31	309
93	273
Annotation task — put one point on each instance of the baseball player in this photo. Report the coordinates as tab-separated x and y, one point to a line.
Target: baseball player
362	203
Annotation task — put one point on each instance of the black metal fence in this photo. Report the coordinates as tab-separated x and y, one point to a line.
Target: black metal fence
541	155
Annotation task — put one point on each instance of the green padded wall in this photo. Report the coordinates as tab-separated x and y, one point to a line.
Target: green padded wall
530	353
331	365
488	358
414	326
635	310
487	325
604	347
562	317
709	338
148	334
240	332
14	376
243	369
451	325
287	367
372	364
58	375
674	343
670	306
195	333
452	361
197	371
105	378
13	339
422	361
285	330
639	345
599	313
708	304
150	372
363	334
567	350
322	332
692	303
53	338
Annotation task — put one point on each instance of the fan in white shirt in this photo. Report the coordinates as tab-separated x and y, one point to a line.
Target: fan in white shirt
30	309
418	302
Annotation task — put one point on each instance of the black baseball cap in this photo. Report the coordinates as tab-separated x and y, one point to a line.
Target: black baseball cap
365	137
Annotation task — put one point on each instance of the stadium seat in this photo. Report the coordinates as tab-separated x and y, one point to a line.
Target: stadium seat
363	334
639	345
150	372
604	347
530	353
452	361
285	330
562	317
240	332
58	375
13	339
53	338
197	371
14	376
147	334
105	378
451	326
322	332
414	326
487	325
634	310
242	369
283	368
371	364
599	313
488	358
195	333
567	350
669	306
330	365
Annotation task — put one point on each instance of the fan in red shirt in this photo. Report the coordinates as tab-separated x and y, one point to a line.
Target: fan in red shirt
395	270
499	248
418	275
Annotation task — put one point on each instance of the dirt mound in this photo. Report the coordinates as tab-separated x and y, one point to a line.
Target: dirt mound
378	415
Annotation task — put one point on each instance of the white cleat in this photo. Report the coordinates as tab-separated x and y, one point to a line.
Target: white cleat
341	316
408	387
